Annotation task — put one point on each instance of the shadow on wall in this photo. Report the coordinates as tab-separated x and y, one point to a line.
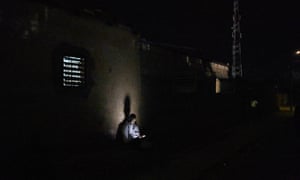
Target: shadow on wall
119	134
127	103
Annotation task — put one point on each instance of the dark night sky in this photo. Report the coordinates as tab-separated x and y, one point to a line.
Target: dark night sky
270	29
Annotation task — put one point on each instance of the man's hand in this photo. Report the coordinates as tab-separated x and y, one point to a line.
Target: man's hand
142	136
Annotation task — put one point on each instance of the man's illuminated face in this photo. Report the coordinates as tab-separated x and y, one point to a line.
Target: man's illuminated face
133	121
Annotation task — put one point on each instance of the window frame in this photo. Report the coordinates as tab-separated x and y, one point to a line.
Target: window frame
66	50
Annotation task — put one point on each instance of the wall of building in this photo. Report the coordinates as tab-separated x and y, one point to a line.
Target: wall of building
177	89
41	109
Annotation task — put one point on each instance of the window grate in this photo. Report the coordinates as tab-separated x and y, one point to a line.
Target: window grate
73	71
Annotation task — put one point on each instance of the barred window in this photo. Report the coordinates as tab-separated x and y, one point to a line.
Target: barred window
73	74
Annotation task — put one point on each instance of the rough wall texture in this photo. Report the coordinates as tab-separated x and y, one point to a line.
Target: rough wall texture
37	37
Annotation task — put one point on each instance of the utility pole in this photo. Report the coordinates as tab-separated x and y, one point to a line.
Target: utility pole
236	68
